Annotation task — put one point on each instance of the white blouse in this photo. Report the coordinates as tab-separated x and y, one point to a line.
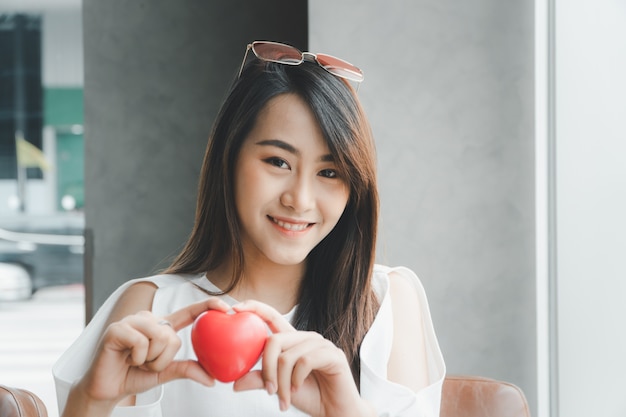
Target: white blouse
188	398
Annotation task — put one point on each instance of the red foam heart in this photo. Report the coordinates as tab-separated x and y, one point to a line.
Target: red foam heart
228	345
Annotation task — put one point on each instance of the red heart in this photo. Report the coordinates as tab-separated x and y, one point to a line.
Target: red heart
228	345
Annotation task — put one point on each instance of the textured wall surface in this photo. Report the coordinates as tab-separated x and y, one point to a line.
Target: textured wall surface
155	74
449	90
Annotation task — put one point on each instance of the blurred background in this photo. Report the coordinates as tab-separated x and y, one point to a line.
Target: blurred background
500	134
42	224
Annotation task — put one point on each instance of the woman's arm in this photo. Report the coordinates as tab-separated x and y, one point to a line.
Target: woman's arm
407	363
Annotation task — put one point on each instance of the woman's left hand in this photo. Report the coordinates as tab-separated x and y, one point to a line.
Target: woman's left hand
304	369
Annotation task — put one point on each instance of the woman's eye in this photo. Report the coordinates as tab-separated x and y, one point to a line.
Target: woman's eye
328	173
277	162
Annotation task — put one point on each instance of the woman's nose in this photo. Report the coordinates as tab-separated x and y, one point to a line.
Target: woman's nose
299	195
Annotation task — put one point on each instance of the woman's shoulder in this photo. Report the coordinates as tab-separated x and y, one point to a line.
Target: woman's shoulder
402	272
397	277
164	280
402	289
396	288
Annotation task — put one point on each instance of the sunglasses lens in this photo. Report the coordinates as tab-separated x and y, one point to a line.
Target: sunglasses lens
277	52
287	54
340	67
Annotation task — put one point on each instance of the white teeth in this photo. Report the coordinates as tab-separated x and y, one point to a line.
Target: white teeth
291	226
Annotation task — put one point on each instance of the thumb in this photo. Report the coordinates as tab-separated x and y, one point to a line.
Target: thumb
251	380
188	369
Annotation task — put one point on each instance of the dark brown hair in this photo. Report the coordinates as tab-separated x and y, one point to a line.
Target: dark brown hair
336	297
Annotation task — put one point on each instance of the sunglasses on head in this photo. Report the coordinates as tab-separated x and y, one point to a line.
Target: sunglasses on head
289	55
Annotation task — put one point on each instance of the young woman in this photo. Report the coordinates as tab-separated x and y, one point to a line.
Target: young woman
286	219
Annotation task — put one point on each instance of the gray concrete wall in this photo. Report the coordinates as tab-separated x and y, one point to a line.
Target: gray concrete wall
449	89
155	74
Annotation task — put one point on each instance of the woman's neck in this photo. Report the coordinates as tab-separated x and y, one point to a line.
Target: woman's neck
273	284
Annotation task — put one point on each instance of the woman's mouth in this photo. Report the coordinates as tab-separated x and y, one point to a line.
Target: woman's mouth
294	227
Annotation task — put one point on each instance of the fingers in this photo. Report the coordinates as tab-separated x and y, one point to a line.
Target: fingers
152	342
185	316
276	322
324	357
250	381
185	369
148	347
275	356
288	360
148	343
286	369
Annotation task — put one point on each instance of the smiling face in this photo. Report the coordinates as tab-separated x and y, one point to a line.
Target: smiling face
288	193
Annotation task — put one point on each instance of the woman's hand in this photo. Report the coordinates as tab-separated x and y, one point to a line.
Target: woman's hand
136	354
304	369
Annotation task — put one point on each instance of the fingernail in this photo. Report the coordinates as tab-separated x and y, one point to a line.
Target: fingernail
283	405
270	387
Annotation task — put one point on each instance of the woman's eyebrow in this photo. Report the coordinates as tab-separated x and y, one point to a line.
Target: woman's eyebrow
279	144
290	148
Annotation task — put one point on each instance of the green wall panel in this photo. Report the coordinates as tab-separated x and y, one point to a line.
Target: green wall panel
63	106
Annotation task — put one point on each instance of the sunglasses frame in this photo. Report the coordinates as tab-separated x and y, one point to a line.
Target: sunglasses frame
356	76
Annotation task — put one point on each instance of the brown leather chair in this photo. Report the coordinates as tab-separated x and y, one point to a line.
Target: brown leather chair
462	396
472	396
16	402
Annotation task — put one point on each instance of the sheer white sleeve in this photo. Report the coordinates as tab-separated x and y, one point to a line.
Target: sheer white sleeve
391	399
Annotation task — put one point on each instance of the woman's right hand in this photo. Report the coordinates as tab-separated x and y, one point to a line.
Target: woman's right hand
134	355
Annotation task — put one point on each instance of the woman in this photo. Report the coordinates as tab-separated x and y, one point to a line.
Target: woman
286	219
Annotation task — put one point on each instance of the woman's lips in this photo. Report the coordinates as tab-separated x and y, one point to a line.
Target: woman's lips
291	226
